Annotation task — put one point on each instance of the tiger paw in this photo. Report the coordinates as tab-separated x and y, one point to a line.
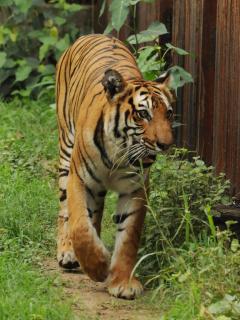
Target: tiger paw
66	256
125	289
67	260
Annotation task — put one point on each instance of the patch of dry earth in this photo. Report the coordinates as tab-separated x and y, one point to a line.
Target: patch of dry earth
91	300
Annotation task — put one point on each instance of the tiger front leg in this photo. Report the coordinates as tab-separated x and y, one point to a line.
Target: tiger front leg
89	249
130	216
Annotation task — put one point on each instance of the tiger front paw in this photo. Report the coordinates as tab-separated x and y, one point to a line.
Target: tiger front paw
125	289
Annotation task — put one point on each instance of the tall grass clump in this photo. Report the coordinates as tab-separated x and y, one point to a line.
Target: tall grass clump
180	204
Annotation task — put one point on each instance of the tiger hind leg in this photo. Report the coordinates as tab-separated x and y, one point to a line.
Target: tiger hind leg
94	258
65	253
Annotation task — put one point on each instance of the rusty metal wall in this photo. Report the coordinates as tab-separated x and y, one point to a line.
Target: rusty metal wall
210	107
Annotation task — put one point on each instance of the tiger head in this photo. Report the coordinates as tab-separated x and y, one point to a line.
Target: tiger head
140	114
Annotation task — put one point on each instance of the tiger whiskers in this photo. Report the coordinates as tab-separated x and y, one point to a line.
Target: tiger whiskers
129	151
135	157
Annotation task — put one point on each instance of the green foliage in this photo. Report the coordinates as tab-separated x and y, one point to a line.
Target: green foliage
27	193
32	38
119	10
182	196
155	30
27	294
28	210
151	58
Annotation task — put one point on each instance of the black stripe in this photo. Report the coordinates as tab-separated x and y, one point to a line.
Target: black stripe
120	229
64	158
63	195
90	212
120	218
89	191
75	168
121	195
65	140
116	123
63	172
65	152
93	176
102	194
99	142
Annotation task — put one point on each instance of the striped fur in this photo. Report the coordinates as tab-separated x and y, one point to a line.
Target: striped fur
111	123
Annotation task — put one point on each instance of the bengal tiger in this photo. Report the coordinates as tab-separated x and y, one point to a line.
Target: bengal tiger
112	124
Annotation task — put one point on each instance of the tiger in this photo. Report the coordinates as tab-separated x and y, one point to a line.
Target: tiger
112	124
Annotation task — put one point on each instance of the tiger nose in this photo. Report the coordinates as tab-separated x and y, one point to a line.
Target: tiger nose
162	146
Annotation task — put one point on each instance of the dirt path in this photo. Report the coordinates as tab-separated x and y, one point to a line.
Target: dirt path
91	300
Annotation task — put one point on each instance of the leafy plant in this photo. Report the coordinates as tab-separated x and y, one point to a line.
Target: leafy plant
32	37
182	196
151	58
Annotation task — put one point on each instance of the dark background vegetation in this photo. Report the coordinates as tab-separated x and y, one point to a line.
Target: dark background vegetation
209	108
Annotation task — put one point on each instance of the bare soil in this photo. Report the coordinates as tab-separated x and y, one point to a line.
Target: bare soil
92	301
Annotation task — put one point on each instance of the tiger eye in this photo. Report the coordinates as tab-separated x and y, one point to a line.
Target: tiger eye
143	114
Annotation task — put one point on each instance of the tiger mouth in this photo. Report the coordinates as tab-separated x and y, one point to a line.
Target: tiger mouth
140	154
144	162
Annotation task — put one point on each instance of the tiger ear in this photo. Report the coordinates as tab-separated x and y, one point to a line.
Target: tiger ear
113	82
165	79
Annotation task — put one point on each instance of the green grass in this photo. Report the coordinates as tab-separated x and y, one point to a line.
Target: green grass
28	211
193	276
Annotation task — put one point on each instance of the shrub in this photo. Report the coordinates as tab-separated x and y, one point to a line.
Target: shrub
32	37
180	204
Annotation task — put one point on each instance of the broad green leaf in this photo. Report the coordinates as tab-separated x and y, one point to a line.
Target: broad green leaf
3	57
10	63
32	62
103	6
144	55
119	10
155	30
176	49
23	72
13	34
179	77
48	39
234	245
43	51
23	5
46	69
109	28
63	43
59	20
